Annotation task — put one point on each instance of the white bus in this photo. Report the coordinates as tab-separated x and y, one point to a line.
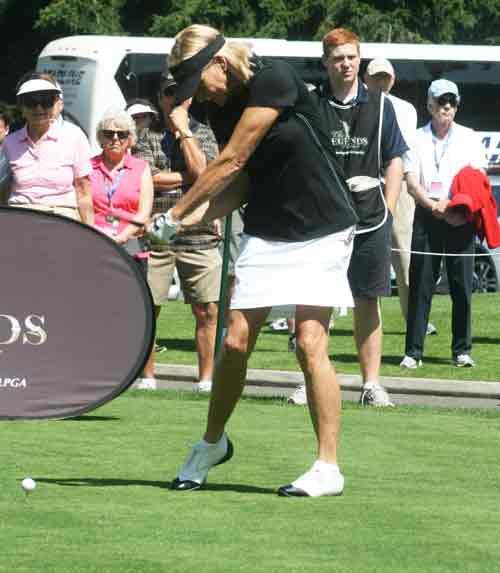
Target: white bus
99	71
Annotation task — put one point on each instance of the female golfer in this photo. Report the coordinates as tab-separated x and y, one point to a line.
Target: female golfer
298	232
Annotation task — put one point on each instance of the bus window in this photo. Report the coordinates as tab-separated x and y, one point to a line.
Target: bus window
139	75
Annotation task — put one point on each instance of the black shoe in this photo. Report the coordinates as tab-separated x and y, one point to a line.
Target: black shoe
291	491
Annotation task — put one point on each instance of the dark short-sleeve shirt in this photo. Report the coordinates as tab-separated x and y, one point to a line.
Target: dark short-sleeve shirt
298	192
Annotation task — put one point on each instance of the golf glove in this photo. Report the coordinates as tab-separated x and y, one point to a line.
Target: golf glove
162	229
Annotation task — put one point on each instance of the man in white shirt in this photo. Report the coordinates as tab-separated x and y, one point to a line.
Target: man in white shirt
441	149
380	75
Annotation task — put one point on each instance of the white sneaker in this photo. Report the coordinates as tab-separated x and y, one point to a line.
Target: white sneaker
204	386
279	324
321	479
146	384
373	394
202	458
299	396
410	363
431	329
464	361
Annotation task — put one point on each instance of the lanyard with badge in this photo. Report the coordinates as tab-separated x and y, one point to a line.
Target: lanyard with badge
110	191
436	190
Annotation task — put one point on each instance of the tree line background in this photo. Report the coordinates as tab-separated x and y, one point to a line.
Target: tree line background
27	25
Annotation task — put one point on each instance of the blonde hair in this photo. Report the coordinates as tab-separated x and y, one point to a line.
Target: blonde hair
193	39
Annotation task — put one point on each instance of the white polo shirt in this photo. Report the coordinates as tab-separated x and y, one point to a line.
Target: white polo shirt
437	161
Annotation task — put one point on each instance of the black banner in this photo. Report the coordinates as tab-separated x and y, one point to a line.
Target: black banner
76	317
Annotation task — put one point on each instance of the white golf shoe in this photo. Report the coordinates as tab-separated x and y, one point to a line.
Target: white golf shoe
202	458
321	479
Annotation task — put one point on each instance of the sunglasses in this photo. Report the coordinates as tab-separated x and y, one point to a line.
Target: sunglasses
110	134
33	100
169	91
447	99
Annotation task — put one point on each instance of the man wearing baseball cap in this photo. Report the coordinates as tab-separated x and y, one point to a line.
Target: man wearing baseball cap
442	148
381	75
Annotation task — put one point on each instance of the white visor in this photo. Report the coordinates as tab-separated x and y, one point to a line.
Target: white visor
138	108
37	86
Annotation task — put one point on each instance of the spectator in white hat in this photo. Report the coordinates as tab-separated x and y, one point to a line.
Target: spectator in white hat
380	74
143	113
50	164
441	149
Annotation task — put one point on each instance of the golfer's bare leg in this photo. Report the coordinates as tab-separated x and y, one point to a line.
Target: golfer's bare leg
368	336
231	370
204	334
323	392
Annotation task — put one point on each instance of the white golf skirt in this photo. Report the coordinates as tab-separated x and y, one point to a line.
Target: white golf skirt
312	273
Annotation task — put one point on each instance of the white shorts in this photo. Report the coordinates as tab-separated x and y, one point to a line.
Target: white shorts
312	273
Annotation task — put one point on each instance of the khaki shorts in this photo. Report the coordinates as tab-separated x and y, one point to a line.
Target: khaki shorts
199	273
70	212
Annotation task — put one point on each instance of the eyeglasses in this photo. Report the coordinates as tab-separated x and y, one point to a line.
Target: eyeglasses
169	91
142	115
38	99
111	133
447	99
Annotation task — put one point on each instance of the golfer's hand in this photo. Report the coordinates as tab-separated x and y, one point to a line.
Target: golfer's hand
162	229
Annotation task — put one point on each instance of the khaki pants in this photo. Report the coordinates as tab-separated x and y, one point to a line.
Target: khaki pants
401	239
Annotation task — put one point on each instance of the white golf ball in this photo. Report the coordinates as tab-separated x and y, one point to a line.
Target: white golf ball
28	484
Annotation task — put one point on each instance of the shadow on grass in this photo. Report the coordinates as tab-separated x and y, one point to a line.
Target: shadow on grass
485	340
177	344
91	419
115	482
101	482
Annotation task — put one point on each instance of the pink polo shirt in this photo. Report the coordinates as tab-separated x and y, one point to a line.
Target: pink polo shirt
125	188
44	172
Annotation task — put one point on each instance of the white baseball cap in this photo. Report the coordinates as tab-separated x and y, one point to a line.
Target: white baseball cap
441	87
138	108
38	85
379	66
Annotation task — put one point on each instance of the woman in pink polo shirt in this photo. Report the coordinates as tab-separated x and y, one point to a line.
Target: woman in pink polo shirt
122	191
49	159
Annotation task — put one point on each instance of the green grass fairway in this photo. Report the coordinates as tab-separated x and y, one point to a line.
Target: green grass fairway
422	492
176	326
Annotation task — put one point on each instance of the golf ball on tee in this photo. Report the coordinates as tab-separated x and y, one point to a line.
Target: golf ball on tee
28	484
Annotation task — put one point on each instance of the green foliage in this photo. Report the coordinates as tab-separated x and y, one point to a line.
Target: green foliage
233	17
66	17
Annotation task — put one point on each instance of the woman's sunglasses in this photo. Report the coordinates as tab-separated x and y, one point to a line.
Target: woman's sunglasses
110	134
33	100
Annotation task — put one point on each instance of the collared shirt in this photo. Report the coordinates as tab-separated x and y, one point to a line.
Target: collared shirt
44	172
164	153
436	162
116	197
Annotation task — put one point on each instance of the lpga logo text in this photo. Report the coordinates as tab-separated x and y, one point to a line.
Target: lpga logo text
29	331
